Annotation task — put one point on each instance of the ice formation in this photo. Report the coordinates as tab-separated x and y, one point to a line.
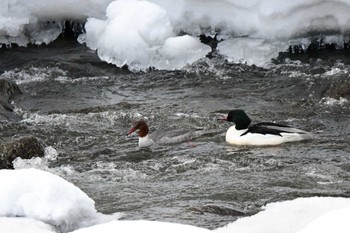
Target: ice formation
145	34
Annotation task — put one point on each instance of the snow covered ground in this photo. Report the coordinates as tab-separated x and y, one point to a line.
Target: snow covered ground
38	201
145	34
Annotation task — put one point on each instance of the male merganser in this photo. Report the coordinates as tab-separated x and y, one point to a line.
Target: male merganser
260	134
168	137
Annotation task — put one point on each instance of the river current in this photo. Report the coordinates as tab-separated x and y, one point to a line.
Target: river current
82	109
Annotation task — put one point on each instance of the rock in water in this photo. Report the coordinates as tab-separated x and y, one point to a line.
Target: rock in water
8	89
25	148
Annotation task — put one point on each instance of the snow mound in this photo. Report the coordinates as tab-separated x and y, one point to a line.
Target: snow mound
20	225
302	215
139	34
45	197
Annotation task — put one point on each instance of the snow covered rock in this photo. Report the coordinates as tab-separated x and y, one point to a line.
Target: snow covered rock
25	148
44	197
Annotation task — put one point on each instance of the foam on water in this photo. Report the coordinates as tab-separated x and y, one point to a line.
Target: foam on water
44	164
50	154
34	74
110	172
329	101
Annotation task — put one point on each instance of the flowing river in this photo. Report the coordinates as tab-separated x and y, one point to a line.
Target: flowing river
82	108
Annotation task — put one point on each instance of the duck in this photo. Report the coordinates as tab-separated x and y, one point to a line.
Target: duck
261	134
147	139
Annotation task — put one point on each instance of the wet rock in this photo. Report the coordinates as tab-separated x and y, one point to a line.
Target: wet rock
212	42
340	90
335	88
8	89
25	148
209	40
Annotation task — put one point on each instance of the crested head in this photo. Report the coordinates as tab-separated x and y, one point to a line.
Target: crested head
142	128
240	118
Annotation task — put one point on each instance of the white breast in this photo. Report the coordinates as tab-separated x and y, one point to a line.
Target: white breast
233	136
145	141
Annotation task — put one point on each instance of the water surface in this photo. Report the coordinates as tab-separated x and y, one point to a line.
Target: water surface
83	108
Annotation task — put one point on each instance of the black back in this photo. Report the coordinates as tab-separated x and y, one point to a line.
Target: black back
267	128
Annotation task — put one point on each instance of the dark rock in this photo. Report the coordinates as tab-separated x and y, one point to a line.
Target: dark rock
318	48
334	88
25	148
209	40
8	89
72	29
342	91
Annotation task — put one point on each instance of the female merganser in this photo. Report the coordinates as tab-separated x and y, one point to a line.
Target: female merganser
168	137
262	133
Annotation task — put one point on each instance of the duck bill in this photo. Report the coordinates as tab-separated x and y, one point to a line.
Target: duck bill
131	131
222	119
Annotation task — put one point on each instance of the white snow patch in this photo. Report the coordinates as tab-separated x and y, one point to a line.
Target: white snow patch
45	197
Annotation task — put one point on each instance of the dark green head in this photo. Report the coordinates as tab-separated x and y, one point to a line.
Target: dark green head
240	118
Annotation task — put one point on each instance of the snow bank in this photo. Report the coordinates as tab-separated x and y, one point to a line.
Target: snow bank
267	19
20	225
39	21
142	226
139	34
302	215
134	32
334	221
45	197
